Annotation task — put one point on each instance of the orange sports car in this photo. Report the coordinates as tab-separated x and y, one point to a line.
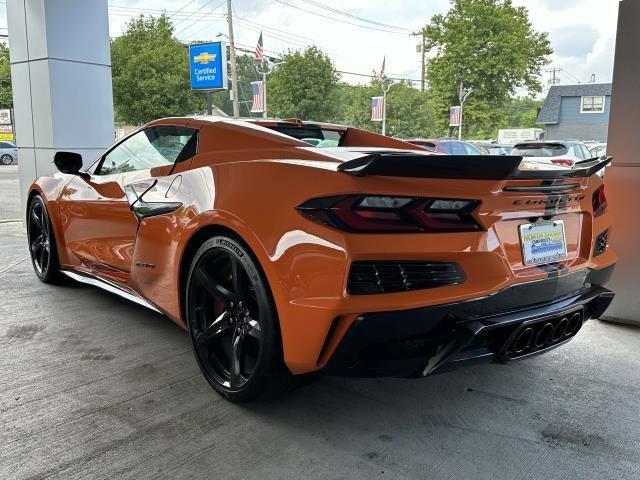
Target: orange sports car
286	247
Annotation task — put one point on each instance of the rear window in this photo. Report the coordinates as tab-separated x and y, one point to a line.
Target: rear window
538	150
314	136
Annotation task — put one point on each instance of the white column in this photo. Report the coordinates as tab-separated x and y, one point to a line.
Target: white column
622	179
61	79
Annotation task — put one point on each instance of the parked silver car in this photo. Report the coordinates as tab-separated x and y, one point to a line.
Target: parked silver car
8	153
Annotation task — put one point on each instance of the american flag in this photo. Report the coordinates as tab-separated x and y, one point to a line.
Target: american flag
454	116
257	90
259	49
380	75
377	109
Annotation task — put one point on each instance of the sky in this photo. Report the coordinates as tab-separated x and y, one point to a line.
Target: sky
582	32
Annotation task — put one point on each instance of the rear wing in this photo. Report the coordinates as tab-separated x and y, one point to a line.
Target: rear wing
462	167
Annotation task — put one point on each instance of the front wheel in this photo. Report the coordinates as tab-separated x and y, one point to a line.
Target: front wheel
6	159
232	321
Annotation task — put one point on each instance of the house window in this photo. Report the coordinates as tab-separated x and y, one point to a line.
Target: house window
592	104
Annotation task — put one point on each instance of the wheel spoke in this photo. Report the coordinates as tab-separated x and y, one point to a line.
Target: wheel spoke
37	220
236	358
236	276
254	329
219	326
36	245
41	258
214	288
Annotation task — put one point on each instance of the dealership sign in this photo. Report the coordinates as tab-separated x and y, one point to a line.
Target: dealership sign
208	66
5	116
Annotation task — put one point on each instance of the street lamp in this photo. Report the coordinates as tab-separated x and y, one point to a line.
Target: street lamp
265	67
463	95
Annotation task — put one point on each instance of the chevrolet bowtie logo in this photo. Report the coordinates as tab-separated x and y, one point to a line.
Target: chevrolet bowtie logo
204	58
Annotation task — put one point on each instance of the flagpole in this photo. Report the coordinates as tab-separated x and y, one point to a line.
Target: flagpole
384	109
264	94
463	95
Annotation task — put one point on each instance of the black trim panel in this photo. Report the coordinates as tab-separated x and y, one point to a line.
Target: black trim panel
425	340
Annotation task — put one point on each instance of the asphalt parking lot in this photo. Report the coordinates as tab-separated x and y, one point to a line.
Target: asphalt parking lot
94	387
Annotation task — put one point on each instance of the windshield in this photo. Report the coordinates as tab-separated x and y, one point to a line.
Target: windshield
540	150
314	136
496	150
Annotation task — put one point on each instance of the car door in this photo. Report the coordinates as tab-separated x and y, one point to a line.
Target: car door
99	226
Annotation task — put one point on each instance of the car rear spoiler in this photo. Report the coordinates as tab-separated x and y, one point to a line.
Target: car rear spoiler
463	167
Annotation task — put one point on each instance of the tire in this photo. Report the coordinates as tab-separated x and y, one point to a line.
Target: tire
233	322
42	242
6	159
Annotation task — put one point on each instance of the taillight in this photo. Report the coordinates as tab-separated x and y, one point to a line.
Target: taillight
381	213
565	162
599	201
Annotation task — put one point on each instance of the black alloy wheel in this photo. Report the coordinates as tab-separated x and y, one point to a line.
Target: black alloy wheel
42	244
232	321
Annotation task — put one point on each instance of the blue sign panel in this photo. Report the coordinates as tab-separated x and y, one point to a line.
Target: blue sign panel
208	65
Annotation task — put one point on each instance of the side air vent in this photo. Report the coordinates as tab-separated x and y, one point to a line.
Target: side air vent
602	241
367	277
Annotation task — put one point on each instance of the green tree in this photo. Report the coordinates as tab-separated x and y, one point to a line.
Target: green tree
303	86
489	45
6	96
521	112
409	113
151	73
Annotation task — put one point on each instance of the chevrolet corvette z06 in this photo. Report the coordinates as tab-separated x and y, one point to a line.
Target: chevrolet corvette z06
369	256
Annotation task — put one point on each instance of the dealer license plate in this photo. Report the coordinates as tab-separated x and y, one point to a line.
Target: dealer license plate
543	242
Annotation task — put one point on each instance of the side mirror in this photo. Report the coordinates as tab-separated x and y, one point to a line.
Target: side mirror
68	162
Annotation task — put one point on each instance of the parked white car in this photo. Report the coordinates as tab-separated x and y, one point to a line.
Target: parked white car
598	149
553	152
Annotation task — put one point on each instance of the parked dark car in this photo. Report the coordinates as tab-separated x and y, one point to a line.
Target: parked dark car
445	145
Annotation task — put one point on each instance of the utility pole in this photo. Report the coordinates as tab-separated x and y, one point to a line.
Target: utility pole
423	69
463	95
385	89
554	79
209	103
421	48
234	66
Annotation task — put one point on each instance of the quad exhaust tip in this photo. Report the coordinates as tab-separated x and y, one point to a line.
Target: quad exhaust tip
543	334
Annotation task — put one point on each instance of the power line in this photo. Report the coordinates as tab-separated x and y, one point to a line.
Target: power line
571	76
276	36
176	14
182	8
350	15
339	20
196	21
272	28
193	13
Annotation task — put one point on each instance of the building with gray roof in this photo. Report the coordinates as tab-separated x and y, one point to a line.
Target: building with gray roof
579	112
